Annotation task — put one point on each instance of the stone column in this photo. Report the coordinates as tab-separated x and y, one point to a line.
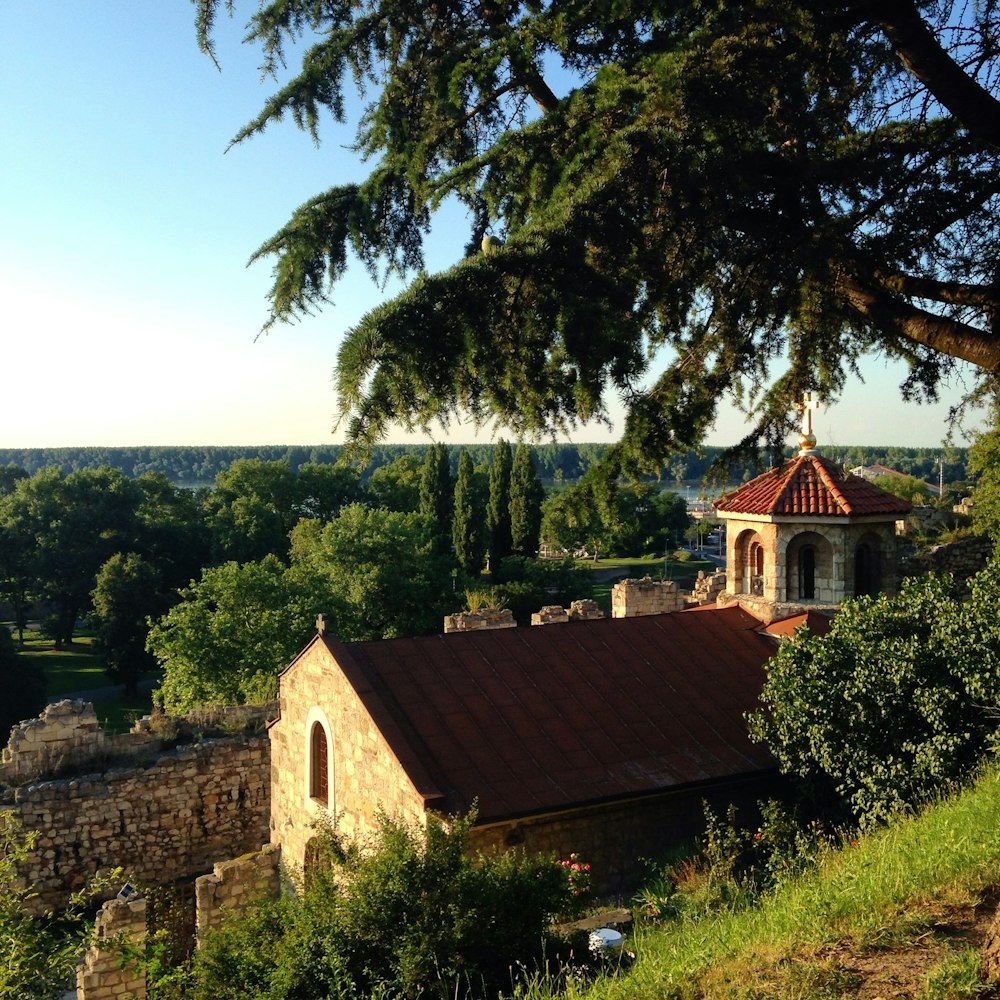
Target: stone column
100	975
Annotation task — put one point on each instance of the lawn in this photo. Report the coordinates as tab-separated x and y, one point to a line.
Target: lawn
607	572
79	668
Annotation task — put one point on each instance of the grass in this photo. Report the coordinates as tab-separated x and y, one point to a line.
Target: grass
638	566
81	667
885	894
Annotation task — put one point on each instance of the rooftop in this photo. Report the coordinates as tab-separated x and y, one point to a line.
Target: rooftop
540	719
810	485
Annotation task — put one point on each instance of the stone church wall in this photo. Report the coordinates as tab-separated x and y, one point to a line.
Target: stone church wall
613	838
364	774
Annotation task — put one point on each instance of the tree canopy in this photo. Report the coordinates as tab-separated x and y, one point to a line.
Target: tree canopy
667	202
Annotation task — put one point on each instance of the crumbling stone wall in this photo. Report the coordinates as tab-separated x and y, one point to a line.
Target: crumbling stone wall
633	598
485	618
578	611
961	559
169	819
235	884
100	975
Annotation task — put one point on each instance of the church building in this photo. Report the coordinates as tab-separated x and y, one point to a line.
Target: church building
807	535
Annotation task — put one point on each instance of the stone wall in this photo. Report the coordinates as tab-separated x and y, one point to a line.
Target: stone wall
235	884
100	975
578	611
961	559
633	598
363	773
66	737
164	820
614	837
474	621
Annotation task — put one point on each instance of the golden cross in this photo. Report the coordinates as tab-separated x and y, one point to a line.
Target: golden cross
807	440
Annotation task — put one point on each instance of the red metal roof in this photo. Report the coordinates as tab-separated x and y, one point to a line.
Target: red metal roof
539	719
810	484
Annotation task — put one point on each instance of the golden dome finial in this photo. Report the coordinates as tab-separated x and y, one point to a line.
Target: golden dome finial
807	440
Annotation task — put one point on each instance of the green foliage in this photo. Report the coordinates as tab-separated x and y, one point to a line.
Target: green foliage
23	684
498	505
382	568
526	496
916	491
437	495
891	705
410	914
984	462
128	593
468	532
232	633
721	199
40	953
528	584
396	486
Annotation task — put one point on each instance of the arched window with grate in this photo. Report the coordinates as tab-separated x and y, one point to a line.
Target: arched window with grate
319	765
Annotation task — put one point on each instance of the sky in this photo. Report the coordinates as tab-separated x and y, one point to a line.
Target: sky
128	315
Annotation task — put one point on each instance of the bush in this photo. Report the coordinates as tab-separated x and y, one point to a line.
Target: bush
410	915
889	707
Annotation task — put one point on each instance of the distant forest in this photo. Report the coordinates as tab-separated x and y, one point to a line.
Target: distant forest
192	466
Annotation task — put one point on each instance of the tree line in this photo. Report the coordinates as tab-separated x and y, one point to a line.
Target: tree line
222	585
195	465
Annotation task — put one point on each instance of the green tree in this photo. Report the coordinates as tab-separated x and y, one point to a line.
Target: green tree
526	495
469	524
717	185
73	523
23	686
396	486
388	576
891	704
498	505
251	510
128	592
233	631
437	494
984	463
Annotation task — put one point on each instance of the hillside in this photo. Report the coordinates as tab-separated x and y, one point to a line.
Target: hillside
898	913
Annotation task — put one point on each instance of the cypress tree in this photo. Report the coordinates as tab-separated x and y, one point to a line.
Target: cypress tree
526	495
498	508
436	494
468	528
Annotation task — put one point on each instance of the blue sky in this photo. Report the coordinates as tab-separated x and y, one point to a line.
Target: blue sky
128	314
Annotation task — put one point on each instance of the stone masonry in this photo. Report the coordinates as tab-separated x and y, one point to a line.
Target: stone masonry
485	618
168	819
632	598
578	611
234	884
100	975
364	773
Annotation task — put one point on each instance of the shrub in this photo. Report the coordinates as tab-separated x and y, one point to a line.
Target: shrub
889	707
409	915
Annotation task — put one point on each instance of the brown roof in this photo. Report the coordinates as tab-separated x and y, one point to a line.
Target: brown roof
818	624
539	719
810	484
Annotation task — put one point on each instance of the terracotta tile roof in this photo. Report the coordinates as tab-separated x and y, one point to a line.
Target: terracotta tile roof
818	624
538	719
810	484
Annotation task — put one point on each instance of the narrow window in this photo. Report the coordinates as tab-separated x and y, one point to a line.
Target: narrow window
757	569
319	782
807	573
866	571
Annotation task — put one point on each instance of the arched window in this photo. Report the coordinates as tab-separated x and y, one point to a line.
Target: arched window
807	572
867	576
319	770
756	565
